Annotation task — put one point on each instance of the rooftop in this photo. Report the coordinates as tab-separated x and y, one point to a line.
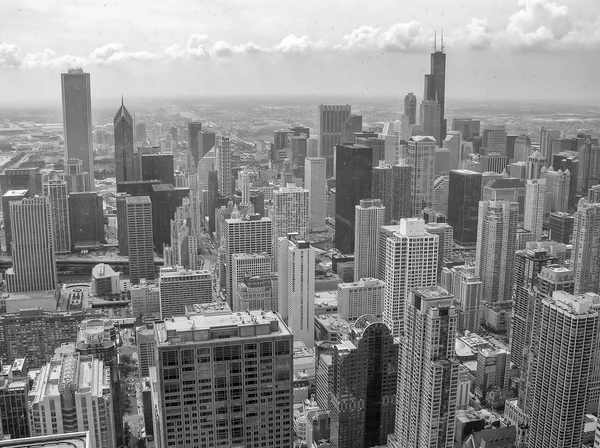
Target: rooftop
71	440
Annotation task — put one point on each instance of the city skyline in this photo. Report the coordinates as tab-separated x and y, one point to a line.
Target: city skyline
500	50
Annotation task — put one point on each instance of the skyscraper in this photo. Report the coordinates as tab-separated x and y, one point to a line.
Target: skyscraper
223	164
467	127
316	183
402	175
8	197
86	219
353	183
122	223
14	388
330	128
124	157
194	128
435	84
535	162
139	238
78	181
140	132
585	258
352	125
410	108
421	155
297	258
232	406
363	392
179	288
430	120
34	263
466	288
57	192
158	167
290	211
566	329
535	198
370	215
494	139
547	136
363	296
411	261
496	245
77	119
427	372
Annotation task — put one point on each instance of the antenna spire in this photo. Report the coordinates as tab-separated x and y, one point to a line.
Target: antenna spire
122	100
442	41
434	41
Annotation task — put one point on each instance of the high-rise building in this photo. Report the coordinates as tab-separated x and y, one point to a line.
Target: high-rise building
430	119
77	120
446	240
467	289
14	388
411	261
145	301
139	238
363	392
223	164
249	235
248	265
121	201
34	263
410	108
558	189
370	215
194	128
435	85
78	181
124	157
330	128
257	293
402	175
376	144
496	245
86	219
547	136
180	287
290	211
427	372
316	183
505	189
363	296
353	182
421	156
453	142
467	127
57	192
494	139
352	125
158	167
7	198
140	132
522	148
566	328
561	226
585	258
297	294
72	394
464	193
234	408
535	162
535	199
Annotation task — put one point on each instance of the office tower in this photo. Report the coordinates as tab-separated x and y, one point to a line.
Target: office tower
7	198
77	119
257	293
410	108
427	372
494	139
330	128
411	261
57	193
78	181
14	388
558	189
352	125
535	162
441	188
139	238
569	160
585	258
376	144
464	192
121	201
146	348
363	387
123	132
316	183
496	245
528	264
594	194
180	287
442	161
566	328
402	175
467	289
369	216
223	164
505	189
430	119
547	136
248	265
206	142
535	198
560	227
249	235
435	85
158	167
522	148
467	127
493	369
140	132
363	296
145	301
421	156
228	395
77	390
34	263
86	218
165	200
382	188
194	128
493	161
297	258
245	179
353	175
453	142
22	179
445	234
290	211
35	334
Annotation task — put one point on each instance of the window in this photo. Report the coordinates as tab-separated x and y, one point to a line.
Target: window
282	348
170	358
266	349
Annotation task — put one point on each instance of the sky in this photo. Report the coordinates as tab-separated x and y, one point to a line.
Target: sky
529	50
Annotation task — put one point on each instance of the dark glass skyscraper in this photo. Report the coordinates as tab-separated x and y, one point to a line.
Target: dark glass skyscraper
410	108
159	167
77	119
353	182
463	204
435	83
124	159
194	128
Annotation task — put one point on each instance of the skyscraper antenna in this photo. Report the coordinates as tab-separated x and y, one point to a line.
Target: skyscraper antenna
122	100
442	41
434	41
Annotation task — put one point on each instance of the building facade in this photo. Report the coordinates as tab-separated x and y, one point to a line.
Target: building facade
139	238
180	287
369	216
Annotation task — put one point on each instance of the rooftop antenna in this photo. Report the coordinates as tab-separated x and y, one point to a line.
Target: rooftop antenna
434	41
442	40
121	99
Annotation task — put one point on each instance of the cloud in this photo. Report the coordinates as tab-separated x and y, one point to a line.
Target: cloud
9	55
293	44
48	59
399	37
114	53
475	36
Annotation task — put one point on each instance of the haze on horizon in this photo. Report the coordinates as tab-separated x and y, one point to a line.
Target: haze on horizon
539	50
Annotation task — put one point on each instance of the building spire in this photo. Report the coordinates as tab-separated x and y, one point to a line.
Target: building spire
434	41
442	42
122	100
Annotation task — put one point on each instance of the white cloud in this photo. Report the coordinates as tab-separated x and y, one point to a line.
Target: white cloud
399	37
48	59
9	55
476	36
293	44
